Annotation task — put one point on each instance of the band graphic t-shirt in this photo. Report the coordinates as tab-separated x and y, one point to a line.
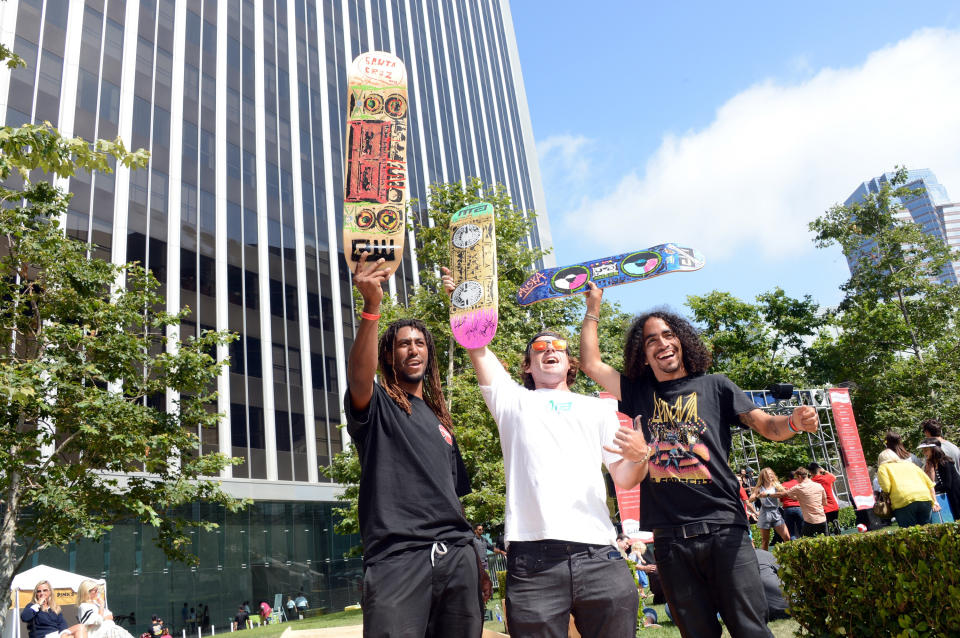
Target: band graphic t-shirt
411	478
687	424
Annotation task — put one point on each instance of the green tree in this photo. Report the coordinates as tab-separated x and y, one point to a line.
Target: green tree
897	340
82	347
474	428
756	344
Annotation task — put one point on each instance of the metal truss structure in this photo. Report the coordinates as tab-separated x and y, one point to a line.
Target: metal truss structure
822	444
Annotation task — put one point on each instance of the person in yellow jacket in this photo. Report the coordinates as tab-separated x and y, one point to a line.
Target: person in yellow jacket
910	489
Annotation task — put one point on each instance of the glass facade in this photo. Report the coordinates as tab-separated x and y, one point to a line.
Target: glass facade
271	548
932	211
241	104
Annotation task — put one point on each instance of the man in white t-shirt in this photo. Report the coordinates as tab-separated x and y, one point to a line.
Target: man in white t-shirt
561	558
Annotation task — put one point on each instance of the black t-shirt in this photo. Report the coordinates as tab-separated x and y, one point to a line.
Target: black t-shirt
687	423
411	475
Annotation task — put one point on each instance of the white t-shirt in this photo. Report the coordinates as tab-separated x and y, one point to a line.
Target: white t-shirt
552	443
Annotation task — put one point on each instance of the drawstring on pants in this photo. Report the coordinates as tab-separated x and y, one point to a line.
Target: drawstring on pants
438	549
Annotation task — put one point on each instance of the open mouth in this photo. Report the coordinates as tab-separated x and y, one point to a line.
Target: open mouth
551	358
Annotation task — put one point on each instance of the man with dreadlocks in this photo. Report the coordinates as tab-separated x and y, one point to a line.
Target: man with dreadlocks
420	567
689	495
561	560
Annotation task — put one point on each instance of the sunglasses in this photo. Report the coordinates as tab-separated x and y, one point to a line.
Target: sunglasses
540	346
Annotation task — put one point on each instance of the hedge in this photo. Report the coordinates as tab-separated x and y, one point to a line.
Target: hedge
902	582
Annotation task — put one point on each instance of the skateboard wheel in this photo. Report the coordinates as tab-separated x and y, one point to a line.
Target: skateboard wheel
396	106
641	264
570	279
373	103
467	235
388	220
365	219
466	294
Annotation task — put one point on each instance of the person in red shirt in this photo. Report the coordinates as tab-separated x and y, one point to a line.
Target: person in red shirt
792	515
826	479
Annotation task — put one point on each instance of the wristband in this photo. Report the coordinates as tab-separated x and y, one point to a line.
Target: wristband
594	317
369	316
791	426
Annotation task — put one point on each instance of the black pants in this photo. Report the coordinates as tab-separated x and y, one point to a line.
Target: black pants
547	581
794	520
405	596
814	529
714	571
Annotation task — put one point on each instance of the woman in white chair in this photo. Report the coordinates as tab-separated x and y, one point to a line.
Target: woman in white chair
93	612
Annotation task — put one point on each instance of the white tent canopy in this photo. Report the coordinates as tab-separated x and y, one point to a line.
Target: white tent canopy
26	581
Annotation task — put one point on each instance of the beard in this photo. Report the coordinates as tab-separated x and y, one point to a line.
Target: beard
411	378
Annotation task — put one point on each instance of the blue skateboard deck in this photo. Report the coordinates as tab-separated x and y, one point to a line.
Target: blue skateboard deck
553	283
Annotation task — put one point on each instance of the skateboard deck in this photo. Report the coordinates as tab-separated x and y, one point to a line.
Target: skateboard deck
375	171
553	283
473	266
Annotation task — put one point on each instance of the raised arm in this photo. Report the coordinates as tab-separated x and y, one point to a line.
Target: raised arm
590	361
781	427
362	363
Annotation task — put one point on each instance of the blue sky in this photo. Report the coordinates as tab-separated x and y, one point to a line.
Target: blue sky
730	126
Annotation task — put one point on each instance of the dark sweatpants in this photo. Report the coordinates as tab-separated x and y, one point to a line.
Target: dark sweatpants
404	596
549	580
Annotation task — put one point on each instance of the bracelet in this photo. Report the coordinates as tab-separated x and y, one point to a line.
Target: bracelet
369	316
594	317
791	426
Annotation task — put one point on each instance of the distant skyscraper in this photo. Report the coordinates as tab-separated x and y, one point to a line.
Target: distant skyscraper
242	106
932	211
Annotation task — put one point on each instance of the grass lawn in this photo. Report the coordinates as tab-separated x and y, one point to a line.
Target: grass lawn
338	619
780	628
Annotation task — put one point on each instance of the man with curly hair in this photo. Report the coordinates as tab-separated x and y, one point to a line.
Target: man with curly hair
421	575
689	494
561	558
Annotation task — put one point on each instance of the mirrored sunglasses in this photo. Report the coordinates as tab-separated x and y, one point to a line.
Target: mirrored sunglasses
540	346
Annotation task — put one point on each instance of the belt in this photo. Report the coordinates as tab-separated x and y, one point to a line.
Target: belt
553	547
688	531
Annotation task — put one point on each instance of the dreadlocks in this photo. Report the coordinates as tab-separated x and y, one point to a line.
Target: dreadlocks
432	394
696	356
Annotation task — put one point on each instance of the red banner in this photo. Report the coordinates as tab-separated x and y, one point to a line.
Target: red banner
858	477
628	501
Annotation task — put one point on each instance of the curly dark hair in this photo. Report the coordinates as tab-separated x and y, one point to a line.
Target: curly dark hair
527	378
432	394
696	355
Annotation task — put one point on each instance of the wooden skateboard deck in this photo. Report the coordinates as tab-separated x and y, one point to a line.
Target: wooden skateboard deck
473	266
553	283
375	172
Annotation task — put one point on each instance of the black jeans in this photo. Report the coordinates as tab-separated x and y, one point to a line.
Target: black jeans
814	529
547	581
405	596
714	571
793	517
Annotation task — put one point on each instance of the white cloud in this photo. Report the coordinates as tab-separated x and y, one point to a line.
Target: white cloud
776	156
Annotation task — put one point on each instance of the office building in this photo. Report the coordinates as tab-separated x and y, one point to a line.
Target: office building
241	104
932	210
